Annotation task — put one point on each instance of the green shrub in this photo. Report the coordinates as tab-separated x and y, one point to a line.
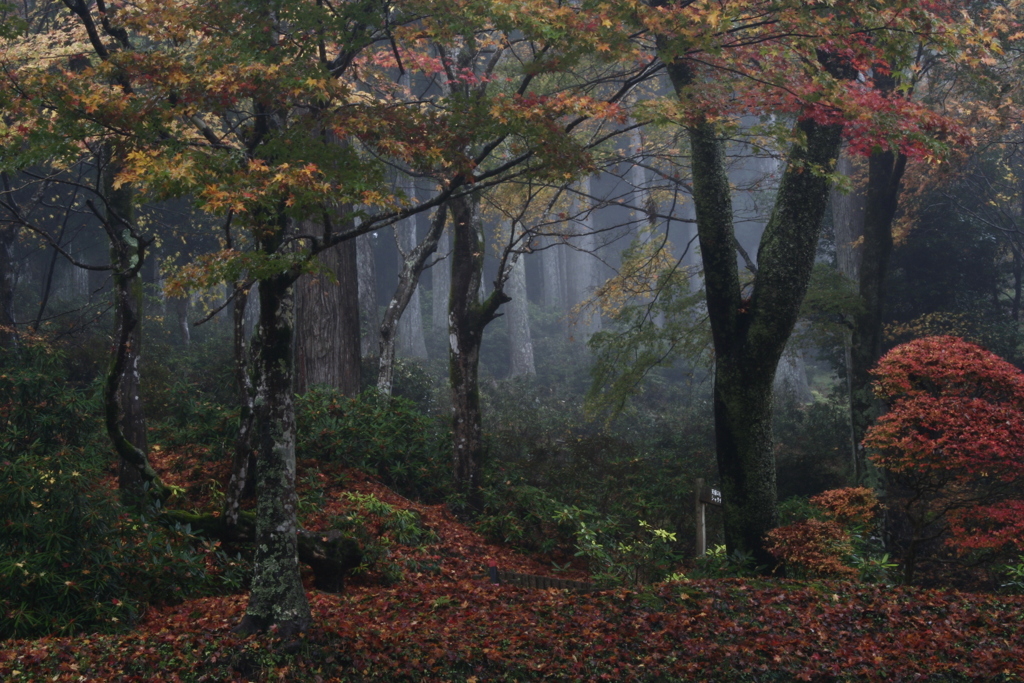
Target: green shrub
378	526
389	439
71	559
620	556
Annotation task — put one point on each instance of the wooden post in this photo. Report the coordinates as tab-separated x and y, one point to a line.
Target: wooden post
702	541
702	497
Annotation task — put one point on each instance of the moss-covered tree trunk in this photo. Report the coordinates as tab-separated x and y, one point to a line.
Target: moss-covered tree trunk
277	597
467	318
750	333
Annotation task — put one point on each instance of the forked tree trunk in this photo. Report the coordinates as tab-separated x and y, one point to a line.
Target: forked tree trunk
410	337
408	279
467	318
750	334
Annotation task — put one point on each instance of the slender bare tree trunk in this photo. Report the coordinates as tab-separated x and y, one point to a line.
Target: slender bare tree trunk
520	342
124	417
408	279
411	340
369	315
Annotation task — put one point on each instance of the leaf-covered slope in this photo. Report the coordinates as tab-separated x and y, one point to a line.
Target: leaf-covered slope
445	621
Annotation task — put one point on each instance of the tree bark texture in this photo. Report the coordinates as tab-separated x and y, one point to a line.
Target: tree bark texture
408	278
520	342
327	321
276	596
467	318
749	335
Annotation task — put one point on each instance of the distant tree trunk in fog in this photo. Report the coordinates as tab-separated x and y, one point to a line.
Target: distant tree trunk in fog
582	276
411	341
408	280
847	231
441	276
179	304
242	483
791	376
552	264
641	195
519	340
468	317
848	220
368	308
8	335
327	322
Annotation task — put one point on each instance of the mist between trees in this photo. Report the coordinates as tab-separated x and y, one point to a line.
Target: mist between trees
702	224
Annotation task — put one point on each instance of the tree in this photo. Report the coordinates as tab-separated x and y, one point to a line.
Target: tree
750	330
951	444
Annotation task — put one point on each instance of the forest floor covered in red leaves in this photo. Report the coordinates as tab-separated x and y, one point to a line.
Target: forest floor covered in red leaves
445	621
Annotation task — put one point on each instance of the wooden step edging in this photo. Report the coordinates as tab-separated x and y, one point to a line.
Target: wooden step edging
500	576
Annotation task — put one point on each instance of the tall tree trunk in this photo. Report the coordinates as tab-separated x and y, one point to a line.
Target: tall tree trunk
408	278
749	335
885	174
520	342
366	272
848	218
327	321
467	318
124	417
277	597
